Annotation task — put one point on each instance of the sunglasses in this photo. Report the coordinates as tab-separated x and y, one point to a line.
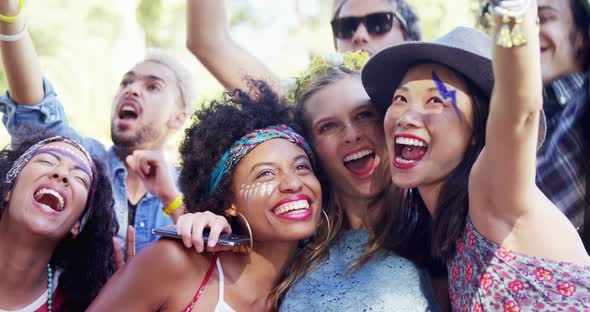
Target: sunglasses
376	24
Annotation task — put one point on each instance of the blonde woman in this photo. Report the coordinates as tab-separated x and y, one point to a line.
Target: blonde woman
353	269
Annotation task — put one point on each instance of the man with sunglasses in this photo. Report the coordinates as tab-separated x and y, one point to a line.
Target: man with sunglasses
367	25
371	25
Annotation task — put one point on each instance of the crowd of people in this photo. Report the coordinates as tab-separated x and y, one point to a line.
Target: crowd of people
393	175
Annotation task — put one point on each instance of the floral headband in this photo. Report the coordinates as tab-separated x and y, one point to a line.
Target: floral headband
24	159
247	143
320	64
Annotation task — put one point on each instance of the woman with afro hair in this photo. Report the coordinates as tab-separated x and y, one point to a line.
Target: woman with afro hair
56	227
240	158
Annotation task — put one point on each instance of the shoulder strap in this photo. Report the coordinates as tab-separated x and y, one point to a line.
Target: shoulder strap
203	283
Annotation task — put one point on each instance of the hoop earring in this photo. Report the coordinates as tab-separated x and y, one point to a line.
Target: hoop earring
327	220
241	248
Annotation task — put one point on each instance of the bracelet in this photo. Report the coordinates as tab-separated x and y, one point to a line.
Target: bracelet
11	38
510	10
175	204
12	19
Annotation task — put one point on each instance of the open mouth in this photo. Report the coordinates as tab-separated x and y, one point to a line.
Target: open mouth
360	163
50	198
128	111
409	150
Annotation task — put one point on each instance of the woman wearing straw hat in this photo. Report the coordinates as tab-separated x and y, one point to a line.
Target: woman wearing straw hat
469	162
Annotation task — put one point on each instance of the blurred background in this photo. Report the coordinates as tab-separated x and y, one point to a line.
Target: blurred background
86	46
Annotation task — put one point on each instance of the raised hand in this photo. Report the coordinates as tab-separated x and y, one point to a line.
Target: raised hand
151	168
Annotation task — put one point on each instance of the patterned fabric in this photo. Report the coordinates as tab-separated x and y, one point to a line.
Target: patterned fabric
244	145
387	282
22	161
486	277
560	160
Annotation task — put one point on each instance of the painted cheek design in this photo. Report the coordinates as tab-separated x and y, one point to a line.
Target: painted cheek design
249	191
446	93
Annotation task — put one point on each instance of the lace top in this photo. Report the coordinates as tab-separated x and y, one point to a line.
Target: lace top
486	277
385	283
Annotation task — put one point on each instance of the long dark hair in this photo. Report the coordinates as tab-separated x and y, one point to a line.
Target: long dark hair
581	21
85	261
430	240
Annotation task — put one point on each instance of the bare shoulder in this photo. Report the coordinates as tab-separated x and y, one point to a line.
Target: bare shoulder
165	263
172	259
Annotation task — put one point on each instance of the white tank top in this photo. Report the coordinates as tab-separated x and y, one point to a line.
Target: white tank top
221	305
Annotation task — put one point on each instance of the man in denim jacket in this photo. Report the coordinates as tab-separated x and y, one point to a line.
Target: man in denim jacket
151	103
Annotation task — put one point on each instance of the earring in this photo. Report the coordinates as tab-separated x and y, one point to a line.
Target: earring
327	221
241	248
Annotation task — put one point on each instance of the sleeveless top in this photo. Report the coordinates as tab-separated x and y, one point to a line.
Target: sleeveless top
386	282
484	276
221	306
40	304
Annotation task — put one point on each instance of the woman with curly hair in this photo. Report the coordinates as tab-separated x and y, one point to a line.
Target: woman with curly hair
240	158
56	227
353	268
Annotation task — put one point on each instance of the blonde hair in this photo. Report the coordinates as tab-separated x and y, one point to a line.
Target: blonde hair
316	251
184	77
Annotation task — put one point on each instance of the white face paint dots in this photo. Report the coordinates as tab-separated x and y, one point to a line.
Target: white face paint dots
257	190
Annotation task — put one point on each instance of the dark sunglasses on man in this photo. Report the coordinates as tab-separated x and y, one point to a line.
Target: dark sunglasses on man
375	23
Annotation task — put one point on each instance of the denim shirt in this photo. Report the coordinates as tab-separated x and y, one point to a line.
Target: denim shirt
50	115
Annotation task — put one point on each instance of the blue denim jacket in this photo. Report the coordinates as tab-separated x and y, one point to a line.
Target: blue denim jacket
50	115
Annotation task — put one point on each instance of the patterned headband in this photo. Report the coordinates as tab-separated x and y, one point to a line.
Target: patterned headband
243	146
24	159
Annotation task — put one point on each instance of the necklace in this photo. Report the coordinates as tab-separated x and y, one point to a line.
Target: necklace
49	288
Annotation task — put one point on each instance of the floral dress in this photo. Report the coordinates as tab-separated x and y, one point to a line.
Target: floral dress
484	276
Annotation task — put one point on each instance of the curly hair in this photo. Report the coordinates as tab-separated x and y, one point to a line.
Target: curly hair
85	261
213	130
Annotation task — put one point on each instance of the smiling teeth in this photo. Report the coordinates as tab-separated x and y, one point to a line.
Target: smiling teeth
288	207
409	141
358	155
43	191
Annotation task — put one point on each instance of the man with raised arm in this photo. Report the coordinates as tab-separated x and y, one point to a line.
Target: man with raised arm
367	25
151	103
